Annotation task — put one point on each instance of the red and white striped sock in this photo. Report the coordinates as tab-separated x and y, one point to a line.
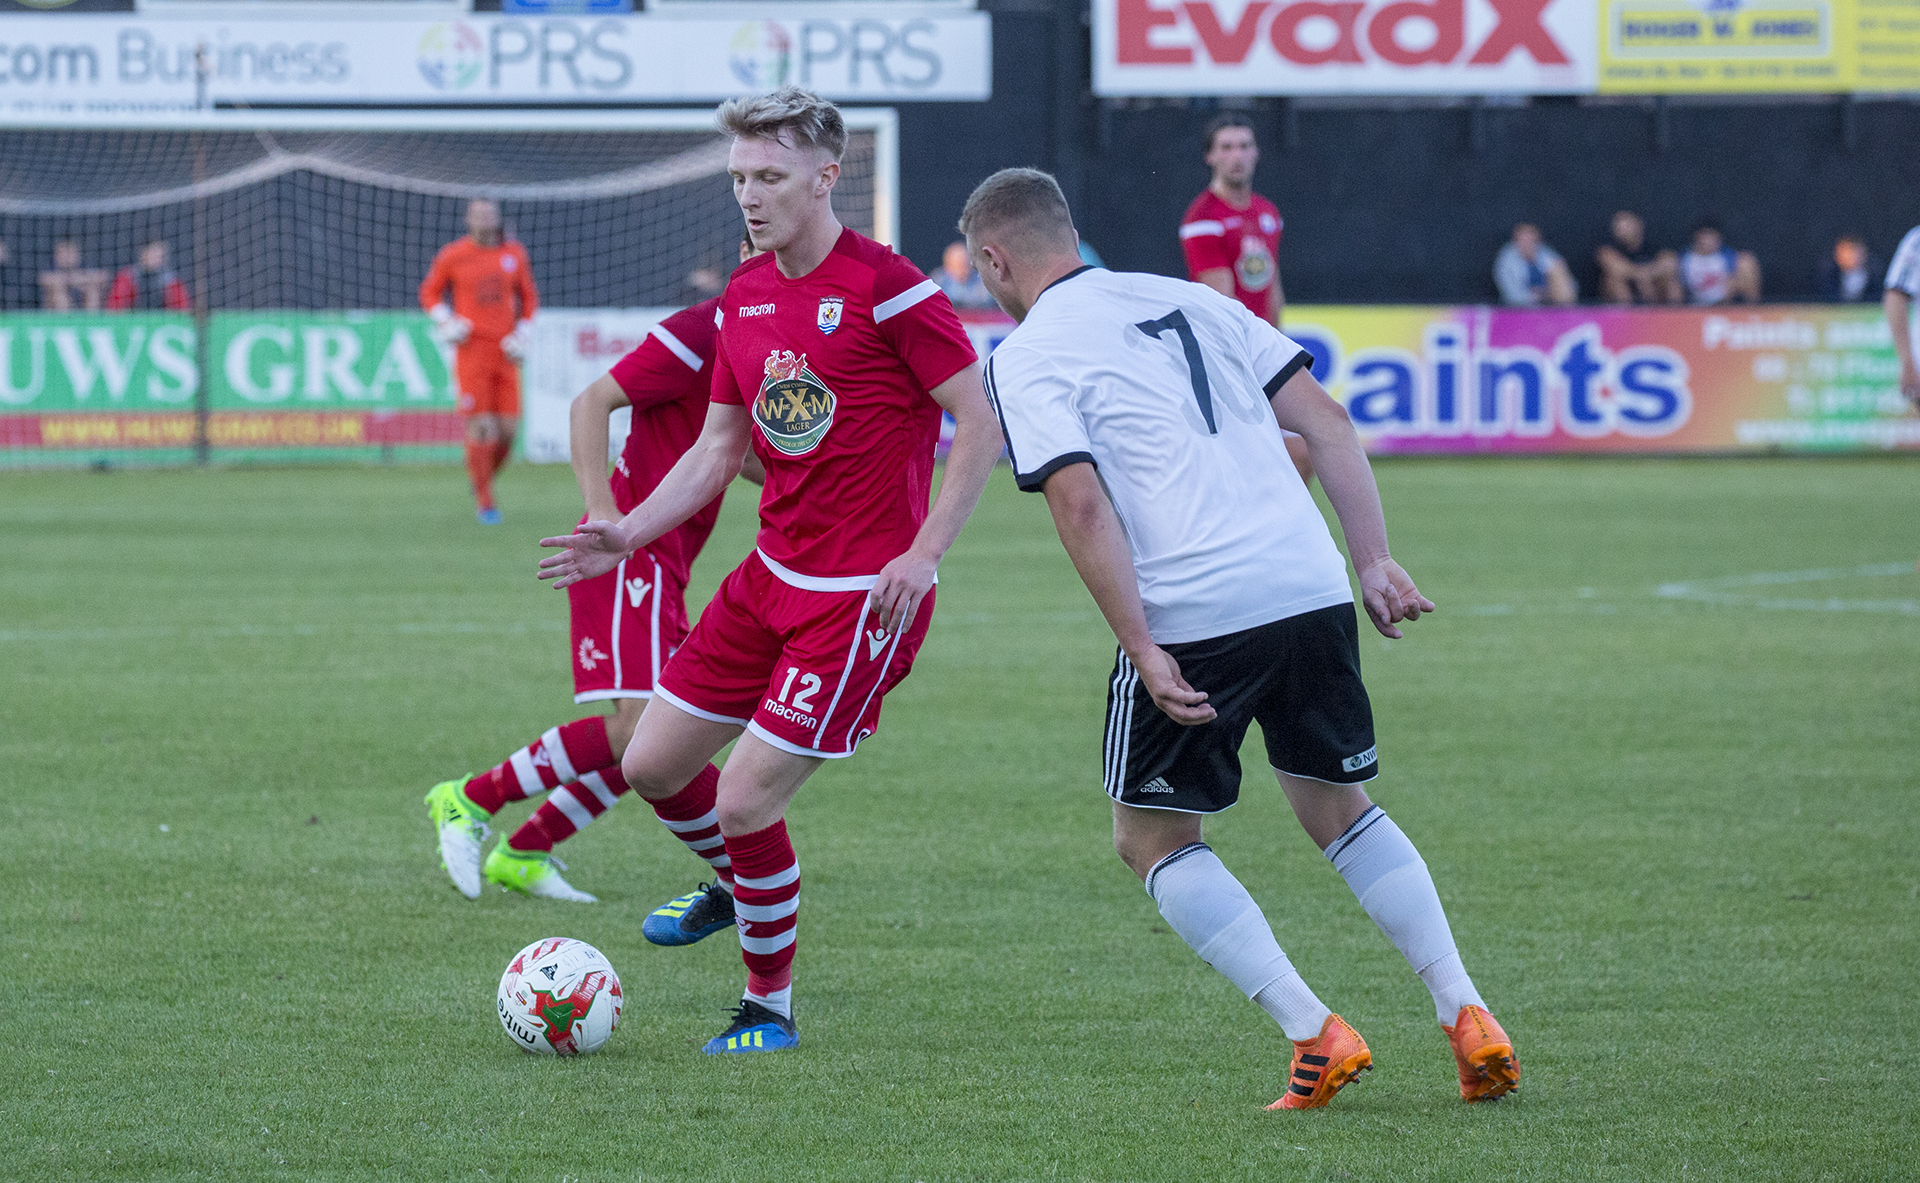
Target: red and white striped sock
766	899
555	759
569	809
690	814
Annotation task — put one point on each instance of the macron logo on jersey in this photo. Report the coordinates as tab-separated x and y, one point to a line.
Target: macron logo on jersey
756	310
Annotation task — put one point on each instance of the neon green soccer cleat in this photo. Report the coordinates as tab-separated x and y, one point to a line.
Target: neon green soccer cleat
463	827
534	873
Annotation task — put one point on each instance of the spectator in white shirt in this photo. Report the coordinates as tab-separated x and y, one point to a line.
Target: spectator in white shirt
1530	273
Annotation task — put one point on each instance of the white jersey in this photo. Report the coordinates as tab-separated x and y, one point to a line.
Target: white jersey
1163	386
1904	274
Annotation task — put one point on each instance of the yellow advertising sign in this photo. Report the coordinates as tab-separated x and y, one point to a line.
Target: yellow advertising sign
1704	46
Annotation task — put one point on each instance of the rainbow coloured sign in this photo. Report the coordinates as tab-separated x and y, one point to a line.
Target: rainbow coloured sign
1492	380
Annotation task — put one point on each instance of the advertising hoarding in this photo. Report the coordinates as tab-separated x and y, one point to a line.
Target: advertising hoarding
1435	47
1441	380
56	65
1265	47
1824	46
1622	380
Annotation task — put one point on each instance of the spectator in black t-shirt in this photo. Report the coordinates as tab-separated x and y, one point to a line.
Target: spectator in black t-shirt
1631	271
1851	274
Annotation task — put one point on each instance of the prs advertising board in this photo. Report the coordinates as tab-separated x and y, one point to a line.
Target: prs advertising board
67	65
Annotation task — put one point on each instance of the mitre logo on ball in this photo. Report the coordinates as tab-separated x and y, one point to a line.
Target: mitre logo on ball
794	408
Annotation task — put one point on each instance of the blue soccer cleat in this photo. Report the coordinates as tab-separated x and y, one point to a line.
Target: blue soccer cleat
695	916
754	1029
488	516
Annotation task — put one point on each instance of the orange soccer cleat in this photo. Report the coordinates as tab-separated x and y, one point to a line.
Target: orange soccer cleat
1323	1065
1488	1067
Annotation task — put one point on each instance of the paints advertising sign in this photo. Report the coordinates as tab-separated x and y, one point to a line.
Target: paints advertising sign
1424	379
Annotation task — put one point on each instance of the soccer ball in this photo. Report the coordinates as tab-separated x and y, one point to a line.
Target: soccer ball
559	997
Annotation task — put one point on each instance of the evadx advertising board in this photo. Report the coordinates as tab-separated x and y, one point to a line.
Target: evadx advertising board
1183	47
79	63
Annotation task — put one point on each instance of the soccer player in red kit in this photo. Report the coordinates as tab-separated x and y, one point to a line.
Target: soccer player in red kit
626	623
836	358
493	294
1231	236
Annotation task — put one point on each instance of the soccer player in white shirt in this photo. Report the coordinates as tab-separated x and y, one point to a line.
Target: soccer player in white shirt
1902	287
1149	411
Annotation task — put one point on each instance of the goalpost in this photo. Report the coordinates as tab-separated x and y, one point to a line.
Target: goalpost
300	239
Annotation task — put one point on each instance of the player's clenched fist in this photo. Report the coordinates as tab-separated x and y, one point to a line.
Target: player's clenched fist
594	548
897	593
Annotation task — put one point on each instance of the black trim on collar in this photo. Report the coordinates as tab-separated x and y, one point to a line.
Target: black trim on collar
1084	267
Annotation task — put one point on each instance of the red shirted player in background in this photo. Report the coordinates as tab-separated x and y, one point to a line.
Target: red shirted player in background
836	358
493	292
1232	237
626	623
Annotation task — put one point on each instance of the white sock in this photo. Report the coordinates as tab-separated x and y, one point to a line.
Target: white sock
780	1001
1215	916
1392	883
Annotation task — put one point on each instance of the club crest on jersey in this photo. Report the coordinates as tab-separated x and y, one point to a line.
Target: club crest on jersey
830	309
794	408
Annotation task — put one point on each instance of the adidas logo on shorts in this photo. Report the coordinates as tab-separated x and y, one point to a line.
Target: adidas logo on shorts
1157	785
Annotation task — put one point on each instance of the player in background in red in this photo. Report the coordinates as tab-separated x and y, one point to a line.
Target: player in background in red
1231	236
626	623
492	295
836	358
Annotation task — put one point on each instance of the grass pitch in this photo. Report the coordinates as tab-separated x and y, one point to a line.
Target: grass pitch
1658	746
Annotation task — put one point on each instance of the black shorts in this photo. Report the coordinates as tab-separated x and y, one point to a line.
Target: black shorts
1298	677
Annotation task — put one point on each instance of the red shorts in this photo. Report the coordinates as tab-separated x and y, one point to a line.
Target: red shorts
626	624
803	670
489	380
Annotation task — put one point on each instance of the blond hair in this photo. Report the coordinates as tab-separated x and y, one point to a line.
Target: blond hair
1021	202
794	111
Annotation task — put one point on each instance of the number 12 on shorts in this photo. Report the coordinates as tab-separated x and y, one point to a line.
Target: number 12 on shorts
809	686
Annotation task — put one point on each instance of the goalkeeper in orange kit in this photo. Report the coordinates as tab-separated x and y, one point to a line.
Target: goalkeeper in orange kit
492	295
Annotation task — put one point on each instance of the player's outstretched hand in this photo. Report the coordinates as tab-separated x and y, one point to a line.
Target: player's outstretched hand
1390	597
903	583
594	548
1910	381
1160	674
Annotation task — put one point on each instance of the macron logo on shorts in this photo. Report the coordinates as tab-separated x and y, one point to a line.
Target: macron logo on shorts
1356	763
637	591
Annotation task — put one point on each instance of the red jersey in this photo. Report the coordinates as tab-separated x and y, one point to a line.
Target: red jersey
492	285
835	368
667	378
1244	241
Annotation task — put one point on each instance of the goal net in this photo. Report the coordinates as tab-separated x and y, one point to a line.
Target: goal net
251	293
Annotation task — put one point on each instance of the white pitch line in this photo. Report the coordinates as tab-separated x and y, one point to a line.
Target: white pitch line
1723	591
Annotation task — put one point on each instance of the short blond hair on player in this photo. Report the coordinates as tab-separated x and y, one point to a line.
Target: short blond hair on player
1023	202
794	111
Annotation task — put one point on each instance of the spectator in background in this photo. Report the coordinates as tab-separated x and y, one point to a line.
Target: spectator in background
1714	273
1530	273
703	283
1632	272
70	287
1851	274
957	279
149	284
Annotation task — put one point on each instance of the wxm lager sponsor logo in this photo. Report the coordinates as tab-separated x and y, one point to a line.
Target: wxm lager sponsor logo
794	408
1335	32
